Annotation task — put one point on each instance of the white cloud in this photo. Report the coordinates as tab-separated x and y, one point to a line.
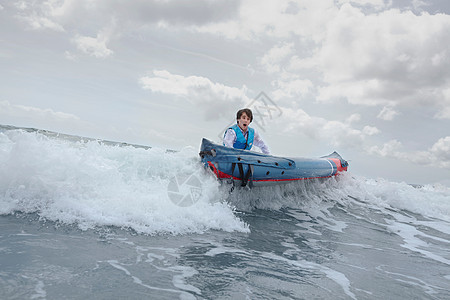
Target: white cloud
384	57
335	132
214	98
139	12
93	46
275	19
418	4
70	56
291	87
353	118
287	84
387	113
370	130
34	15
272	59
81	18
441	150
298	63
391	57
377	4
437	155
8	110
21	5
389	149
37	23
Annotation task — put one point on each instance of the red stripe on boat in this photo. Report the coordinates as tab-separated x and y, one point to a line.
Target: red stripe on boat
338	164
222	175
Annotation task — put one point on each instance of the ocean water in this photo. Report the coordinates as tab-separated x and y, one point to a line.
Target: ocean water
88	219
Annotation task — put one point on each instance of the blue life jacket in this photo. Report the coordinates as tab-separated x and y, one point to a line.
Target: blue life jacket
241	142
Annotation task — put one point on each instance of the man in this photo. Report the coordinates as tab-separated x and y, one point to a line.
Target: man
241	136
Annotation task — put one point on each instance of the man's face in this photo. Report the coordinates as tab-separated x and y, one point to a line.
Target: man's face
244	121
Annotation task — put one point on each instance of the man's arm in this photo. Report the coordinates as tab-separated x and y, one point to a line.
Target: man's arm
229	138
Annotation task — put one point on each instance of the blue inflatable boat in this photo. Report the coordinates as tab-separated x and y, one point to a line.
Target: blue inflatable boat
249	168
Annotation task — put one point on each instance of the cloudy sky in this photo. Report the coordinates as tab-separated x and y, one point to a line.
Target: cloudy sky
367	78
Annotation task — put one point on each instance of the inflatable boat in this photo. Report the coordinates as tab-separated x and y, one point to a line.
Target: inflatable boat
249	168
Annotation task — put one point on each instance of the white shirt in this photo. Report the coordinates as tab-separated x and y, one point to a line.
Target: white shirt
230	138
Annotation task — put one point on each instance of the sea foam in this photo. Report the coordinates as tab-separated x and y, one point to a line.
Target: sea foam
92	184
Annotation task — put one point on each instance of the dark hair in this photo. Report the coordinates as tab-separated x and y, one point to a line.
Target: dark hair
247	111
